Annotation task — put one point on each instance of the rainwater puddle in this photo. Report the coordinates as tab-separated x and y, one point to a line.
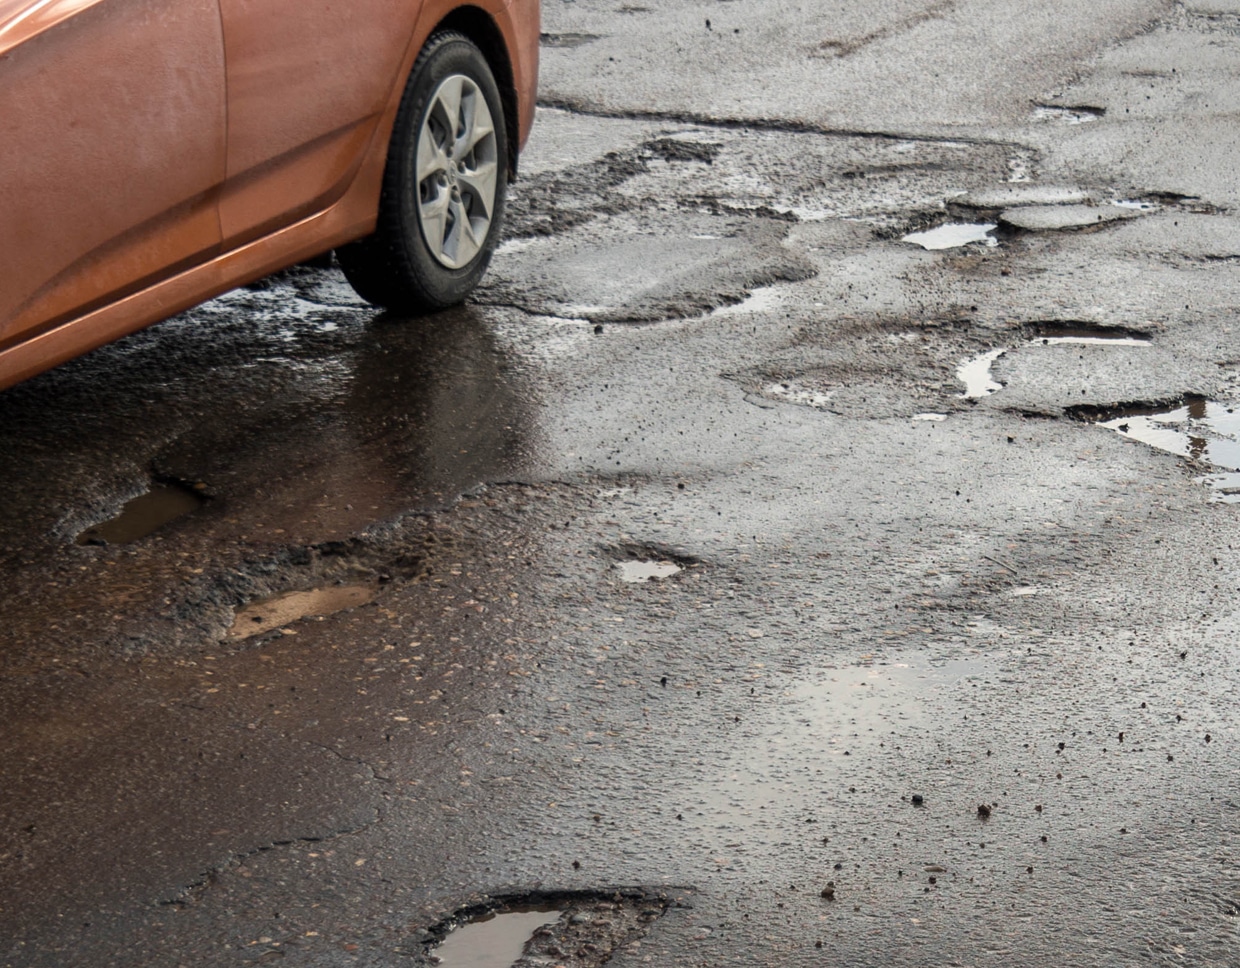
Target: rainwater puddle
953	234
494	940
162	504
277	611
640	571
975	375
1201	430
930	417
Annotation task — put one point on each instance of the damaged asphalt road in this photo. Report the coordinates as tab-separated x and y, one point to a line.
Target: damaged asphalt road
930	656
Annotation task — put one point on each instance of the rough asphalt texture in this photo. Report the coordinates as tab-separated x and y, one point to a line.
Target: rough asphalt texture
940	681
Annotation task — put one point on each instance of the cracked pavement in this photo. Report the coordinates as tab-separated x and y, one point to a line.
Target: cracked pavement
945	676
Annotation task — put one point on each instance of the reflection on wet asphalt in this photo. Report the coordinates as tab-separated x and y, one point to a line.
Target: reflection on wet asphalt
316	415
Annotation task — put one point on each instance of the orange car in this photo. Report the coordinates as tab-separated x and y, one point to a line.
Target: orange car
154	154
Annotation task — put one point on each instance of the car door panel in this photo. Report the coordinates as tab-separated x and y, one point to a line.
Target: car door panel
307	82
111	136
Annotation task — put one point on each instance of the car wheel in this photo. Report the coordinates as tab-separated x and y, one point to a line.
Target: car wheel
443	188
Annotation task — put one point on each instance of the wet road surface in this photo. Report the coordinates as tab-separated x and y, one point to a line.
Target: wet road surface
737	580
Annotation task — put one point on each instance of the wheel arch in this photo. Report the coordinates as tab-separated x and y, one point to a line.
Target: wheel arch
476	24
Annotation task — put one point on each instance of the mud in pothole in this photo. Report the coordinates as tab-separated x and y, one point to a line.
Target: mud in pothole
145	514
277	611
1206	432
572	930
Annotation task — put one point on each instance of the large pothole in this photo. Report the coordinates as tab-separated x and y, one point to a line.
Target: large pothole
570	929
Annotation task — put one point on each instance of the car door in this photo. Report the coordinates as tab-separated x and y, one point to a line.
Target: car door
307	81
111	151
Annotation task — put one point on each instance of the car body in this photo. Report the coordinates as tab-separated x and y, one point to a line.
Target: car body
155	154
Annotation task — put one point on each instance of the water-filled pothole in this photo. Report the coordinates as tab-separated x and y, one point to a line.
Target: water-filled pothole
1050	333
1201	430
642	571
574	929
1077	114
162	504
495	940
954	234
276	611
975	375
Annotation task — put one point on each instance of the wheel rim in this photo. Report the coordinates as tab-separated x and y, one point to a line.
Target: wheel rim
457	170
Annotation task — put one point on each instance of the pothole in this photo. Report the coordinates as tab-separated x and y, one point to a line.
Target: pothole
571	930
277	611
637	562
495	940
643	571
1079	114
954	234
1062	218
1200	430
791	392
1054	331
568	40
146	513
975	375
1010	196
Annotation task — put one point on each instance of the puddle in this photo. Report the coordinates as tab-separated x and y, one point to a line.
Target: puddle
1201	430
640	571
162	504
493	940
582	929
975	375
932	417
280	610
1136	203
953	235
826	723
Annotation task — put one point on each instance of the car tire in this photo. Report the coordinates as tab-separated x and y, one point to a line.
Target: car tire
442	203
